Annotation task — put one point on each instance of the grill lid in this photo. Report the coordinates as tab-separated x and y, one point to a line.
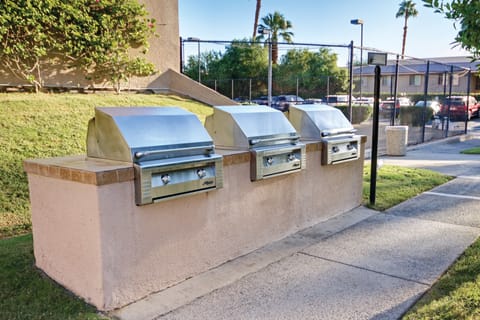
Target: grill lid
316	121
249	126
146	133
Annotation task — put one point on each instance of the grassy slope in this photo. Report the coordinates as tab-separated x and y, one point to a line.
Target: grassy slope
43	125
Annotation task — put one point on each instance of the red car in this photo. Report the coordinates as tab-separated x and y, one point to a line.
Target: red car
458	107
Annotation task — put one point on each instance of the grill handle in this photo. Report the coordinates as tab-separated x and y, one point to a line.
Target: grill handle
139	155
253	142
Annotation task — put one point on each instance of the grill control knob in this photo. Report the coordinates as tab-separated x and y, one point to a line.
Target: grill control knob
201	173
335	149
291	157
166	178
269	161
349	147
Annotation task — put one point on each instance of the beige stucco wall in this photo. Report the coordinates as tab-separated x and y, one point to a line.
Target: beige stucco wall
91	237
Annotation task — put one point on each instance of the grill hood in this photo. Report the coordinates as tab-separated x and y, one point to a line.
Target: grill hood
249	126
316	121
135	134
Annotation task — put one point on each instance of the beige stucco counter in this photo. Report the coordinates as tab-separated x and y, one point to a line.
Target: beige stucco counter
91	237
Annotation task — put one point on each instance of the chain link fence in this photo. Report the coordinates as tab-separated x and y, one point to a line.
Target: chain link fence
445	83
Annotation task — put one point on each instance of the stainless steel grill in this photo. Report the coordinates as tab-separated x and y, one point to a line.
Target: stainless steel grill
171	151
331	127
265	132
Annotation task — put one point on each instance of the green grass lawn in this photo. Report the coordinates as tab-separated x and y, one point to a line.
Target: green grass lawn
43	125
456	295
27	294
395	184
475	150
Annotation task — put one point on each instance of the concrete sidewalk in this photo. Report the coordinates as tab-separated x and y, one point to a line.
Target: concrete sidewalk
360	265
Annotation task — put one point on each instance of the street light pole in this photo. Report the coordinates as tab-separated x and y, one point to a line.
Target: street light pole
265	31
269	70
360	22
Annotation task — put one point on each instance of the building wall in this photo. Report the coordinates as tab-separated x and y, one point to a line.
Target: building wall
164	53
405	87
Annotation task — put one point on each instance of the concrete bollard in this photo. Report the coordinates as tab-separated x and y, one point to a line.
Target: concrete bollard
397	140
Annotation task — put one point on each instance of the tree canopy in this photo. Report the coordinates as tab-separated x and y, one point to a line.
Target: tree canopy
465	15
406	10
316	70
94	37
279	27
247	64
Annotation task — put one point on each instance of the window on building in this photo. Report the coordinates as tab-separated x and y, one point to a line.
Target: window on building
456	80
415	80
444	78
477	83
441	79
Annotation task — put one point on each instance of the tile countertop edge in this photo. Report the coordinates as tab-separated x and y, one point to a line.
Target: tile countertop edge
83	169
80	168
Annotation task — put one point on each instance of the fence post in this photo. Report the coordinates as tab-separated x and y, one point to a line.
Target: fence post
425	96
350	85
297	89
450	80
469	74
250	90
395	88
328	85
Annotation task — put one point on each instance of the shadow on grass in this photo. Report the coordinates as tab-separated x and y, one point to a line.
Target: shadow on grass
26	293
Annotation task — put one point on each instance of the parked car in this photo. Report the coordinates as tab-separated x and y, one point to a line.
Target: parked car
283	102
458	107
313	101
402	101
386	108
434	105
262	100
364	101
335	100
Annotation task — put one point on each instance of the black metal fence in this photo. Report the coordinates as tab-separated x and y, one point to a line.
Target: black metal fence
405	84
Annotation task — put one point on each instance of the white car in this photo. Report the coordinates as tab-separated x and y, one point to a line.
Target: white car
435	105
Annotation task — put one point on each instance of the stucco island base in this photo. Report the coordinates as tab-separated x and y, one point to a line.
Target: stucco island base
91	237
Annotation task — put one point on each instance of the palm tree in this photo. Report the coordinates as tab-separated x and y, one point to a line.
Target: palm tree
407	9
257	15
278	26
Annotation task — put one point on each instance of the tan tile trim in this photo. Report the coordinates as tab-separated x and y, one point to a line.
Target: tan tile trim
81	169
102	172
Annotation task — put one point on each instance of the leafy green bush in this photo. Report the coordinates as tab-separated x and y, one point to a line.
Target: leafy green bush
412	116
360	113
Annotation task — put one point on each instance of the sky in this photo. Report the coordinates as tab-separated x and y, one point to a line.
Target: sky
429	34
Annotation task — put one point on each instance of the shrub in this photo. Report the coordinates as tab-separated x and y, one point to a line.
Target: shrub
360	113
412	116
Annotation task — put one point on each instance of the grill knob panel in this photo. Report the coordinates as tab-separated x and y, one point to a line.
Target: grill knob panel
201	173
269	161
166	178
291	157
